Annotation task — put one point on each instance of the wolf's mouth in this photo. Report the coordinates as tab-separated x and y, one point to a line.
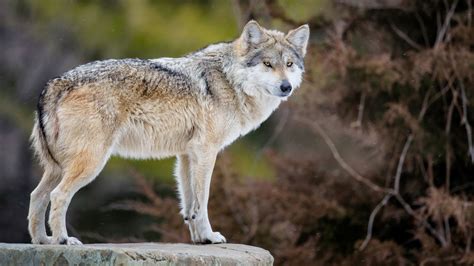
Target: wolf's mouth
281	94
284	94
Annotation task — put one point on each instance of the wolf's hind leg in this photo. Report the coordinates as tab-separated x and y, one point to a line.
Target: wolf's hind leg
79	172
39	201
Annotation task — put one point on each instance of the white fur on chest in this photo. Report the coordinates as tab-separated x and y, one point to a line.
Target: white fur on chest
247	119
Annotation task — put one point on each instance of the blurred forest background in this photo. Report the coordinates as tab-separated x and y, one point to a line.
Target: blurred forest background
369	163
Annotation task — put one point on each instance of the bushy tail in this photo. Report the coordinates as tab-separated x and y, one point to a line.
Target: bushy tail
40	144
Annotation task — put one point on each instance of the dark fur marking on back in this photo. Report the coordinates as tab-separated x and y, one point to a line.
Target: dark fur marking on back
168	71
181	79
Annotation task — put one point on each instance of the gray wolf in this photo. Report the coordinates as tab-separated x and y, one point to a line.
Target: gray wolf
189	107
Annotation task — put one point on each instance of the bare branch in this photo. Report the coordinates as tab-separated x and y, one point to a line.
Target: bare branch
423	28
430	101
444	28
377	208
447	131
430	169
447	230
353	173
465	121
424	105
389	195
449	118
401	161
360	114
405	37
425	224
389	192
423	169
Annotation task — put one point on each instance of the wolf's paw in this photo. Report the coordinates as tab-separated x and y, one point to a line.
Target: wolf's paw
70	241
213	238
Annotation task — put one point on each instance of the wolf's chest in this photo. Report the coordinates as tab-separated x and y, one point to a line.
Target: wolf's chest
248	120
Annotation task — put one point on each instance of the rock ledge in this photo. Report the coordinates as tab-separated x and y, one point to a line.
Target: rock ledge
133	254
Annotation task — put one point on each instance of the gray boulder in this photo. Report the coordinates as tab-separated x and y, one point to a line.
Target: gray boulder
133	254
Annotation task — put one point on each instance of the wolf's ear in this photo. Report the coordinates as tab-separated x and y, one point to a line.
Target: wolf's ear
252	35
299	38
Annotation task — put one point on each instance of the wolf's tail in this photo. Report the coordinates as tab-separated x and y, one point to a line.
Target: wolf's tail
40	144
44	117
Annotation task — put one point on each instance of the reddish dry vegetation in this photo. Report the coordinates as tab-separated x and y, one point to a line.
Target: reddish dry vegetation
399	72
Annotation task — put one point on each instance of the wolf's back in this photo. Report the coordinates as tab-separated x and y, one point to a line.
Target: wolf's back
111	78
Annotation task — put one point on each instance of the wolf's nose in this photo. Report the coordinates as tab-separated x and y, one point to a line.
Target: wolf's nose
285	86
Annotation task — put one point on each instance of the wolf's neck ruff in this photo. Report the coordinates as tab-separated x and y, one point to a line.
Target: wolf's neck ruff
189	107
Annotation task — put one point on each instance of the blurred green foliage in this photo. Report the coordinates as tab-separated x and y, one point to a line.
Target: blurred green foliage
146	29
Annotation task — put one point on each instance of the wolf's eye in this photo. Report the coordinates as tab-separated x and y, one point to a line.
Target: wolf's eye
267	64
289	64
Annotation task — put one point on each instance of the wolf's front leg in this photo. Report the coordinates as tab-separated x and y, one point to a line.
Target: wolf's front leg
183	177
201	166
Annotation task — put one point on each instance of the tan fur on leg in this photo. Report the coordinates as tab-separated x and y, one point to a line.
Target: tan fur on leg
39	201
79	173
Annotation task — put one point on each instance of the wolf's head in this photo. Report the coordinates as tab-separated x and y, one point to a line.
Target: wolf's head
269	61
